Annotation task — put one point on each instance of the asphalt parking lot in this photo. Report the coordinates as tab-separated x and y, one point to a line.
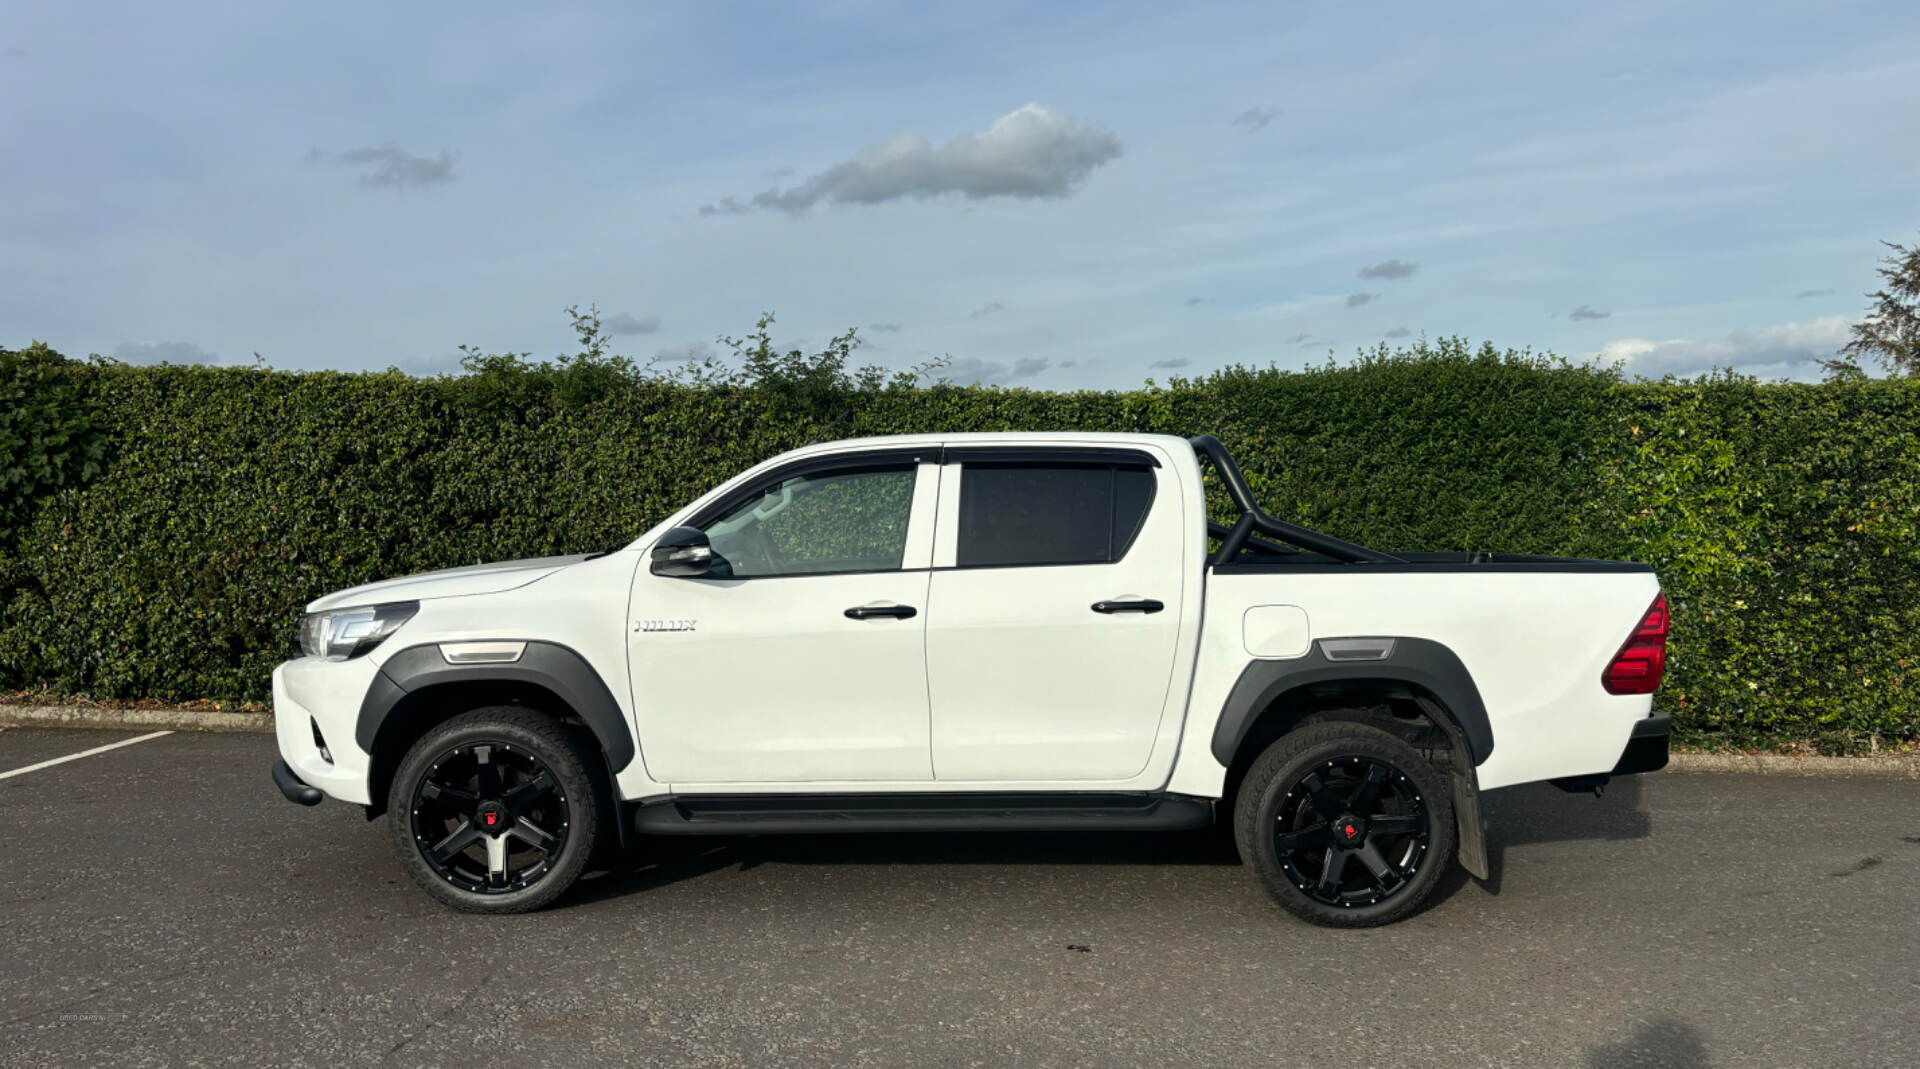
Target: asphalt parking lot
164	906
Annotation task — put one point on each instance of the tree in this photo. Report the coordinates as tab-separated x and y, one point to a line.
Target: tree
1891	331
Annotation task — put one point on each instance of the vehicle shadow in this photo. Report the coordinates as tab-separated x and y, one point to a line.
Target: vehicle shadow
1535	813
1543	813
654	863
663	860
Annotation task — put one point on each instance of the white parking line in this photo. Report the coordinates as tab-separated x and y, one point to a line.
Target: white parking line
83	753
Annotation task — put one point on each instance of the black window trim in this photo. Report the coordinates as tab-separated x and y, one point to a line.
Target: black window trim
848	462
1069	456
933	454
1100	456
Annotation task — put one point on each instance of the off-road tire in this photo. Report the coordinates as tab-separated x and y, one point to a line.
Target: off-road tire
519	744
1412	807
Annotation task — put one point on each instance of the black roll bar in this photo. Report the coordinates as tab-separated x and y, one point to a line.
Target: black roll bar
1252	520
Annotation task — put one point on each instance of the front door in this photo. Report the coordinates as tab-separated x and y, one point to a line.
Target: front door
1055	615
801	656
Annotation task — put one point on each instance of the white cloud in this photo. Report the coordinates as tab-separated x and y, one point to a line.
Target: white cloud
390	167
971	370
1032	152
690	353
1789	349
626	323
1389	269
427	366
1256	118
163	352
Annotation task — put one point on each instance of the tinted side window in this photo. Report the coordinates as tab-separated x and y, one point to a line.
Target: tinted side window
1049	514
837	521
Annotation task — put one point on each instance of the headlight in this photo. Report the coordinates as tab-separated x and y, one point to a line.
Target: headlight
342	634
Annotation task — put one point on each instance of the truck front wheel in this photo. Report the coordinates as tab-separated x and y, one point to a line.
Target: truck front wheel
495	810
1345	825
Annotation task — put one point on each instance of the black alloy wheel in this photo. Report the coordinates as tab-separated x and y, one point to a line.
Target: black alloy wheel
1352	832
488	818
495	811
1345	824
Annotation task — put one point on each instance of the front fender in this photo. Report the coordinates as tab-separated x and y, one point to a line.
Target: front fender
548	665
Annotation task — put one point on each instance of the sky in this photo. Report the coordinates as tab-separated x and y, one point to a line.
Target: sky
1055	196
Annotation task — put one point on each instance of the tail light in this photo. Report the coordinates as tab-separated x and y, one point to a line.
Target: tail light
1637	668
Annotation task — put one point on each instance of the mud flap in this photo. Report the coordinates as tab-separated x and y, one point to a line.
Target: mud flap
1473	830
1466	792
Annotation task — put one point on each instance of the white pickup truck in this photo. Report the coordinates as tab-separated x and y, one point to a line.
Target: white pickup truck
974	632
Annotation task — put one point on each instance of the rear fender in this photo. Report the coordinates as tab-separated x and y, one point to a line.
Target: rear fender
1425	667
1438	683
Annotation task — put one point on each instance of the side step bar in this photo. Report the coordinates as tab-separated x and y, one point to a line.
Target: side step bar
782	814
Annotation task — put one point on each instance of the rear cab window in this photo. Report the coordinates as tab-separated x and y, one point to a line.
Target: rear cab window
1037	512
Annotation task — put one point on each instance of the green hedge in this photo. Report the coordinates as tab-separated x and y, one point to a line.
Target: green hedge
1782	518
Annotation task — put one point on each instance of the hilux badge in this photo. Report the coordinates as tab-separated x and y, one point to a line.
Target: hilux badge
663	625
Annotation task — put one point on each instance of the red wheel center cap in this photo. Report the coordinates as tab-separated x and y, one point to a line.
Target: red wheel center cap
492	816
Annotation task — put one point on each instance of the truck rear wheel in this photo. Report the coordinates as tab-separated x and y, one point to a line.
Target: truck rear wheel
1345	825
495	811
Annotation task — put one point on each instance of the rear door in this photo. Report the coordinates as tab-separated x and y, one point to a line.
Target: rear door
1053	613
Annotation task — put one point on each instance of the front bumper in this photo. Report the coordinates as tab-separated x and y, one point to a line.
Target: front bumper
311	695
1647	747
293	786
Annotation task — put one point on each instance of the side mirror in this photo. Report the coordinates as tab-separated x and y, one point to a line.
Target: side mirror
682	552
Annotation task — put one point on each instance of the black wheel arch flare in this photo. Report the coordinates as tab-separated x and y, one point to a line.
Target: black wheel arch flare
1422	664
548	665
